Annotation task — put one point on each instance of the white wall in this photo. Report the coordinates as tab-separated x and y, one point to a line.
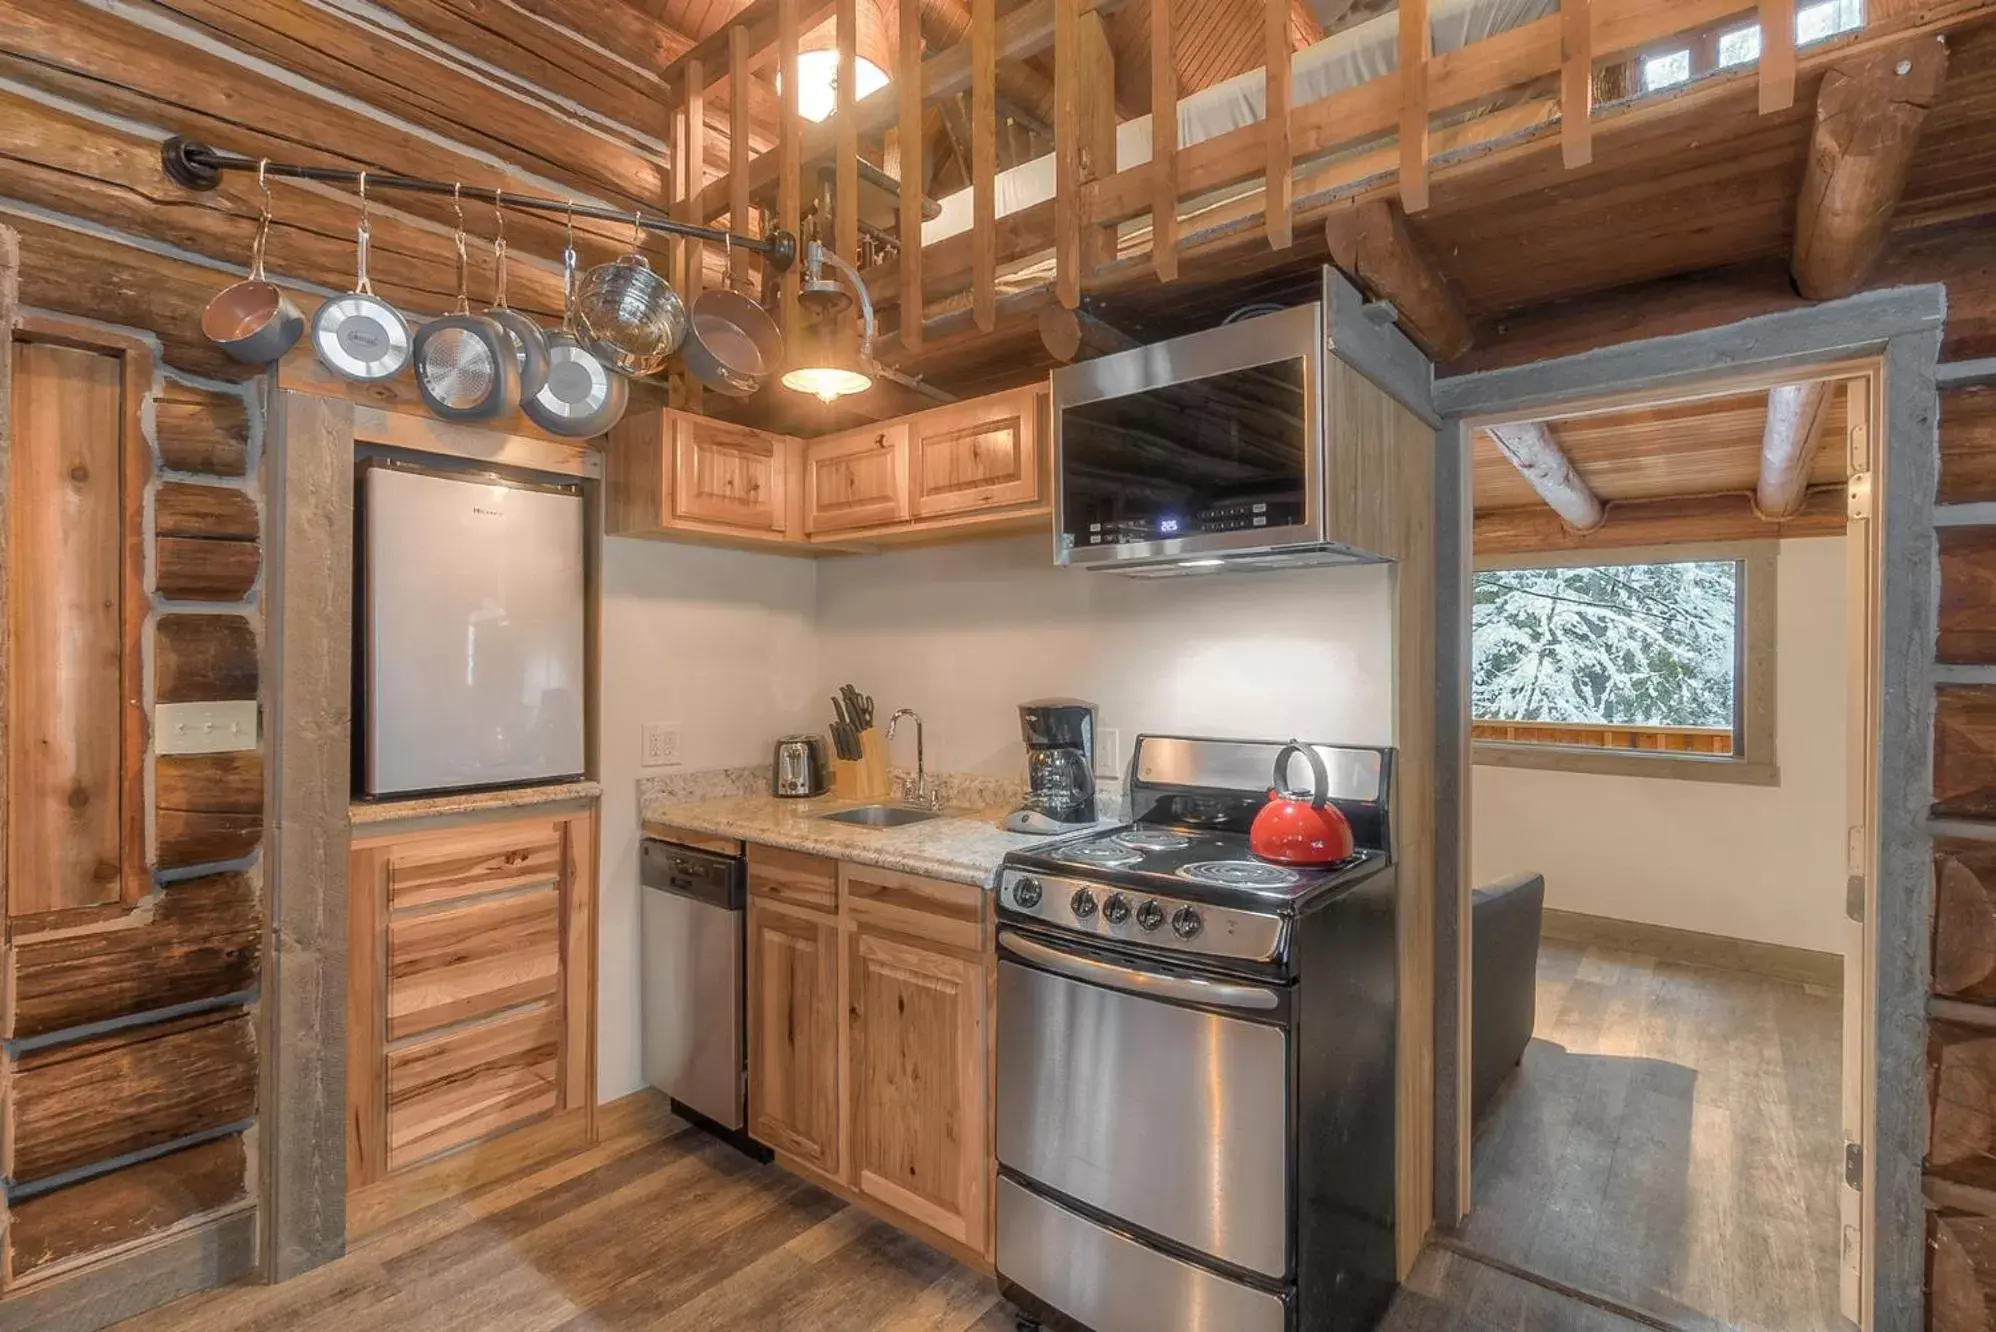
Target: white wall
1751	862
720	642
964	634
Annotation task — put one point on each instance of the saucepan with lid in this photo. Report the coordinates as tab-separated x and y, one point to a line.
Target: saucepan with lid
253	320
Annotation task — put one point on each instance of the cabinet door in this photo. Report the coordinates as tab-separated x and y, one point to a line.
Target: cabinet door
793	1003
858	479
920	1113
727	474
979	455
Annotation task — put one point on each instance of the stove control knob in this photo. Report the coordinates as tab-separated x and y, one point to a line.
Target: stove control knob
1117	909
1026	892
1185	922
1082	904
1150	915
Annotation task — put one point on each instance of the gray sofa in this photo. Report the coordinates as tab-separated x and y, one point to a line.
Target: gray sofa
1504	964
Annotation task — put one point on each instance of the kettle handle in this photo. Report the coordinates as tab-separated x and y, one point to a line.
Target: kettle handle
1320	778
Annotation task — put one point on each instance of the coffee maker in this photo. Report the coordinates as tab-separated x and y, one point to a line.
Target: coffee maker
1060	766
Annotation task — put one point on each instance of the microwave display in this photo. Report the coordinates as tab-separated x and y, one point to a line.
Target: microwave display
1224	453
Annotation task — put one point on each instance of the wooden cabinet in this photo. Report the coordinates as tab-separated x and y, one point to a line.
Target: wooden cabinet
856	480
870	1038
470	1001
979	456
674	474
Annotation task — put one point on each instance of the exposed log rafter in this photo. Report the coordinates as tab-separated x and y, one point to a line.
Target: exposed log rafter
1796	414
1530	447
1374	244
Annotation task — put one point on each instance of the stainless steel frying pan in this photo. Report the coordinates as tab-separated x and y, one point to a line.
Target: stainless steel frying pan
358	335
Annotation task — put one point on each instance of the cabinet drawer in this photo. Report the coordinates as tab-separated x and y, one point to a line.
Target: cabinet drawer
793	878
933	909
472	1082
462	962
468	864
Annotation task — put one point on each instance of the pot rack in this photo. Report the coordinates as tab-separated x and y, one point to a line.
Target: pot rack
198	167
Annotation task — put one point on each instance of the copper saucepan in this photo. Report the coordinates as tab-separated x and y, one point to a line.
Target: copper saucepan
253	320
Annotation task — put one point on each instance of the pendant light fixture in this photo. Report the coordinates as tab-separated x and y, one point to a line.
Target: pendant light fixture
827	366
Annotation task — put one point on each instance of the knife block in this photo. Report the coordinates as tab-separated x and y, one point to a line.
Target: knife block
864	778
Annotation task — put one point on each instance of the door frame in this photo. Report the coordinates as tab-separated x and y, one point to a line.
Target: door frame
1900	330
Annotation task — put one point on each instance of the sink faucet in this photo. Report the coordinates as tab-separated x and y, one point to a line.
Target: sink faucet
918	792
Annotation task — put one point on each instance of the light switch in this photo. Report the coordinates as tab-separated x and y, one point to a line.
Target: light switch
204	728
1108	752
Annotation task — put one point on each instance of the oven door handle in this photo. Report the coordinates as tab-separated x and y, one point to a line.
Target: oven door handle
1149	984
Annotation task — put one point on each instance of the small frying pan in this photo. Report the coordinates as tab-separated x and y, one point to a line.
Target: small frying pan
467	366
253	320
358	335
581	398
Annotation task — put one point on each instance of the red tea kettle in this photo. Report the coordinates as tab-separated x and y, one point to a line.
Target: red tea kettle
1305	828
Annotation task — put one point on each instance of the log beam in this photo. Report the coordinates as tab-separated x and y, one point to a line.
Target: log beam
1661	522
1788	445
1868	116
1076	335
1373	243
1530	447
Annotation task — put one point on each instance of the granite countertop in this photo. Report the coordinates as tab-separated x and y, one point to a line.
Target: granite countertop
363	812
962	846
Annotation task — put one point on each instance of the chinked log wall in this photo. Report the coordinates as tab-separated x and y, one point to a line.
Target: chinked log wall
1961	1055
130	1066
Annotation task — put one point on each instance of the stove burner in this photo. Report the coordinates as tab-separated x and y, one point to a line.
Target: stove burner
1107	853
1239	874
1153	839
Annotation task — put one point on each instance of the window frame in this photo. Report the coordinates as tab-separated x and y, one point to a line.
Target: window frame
1754	663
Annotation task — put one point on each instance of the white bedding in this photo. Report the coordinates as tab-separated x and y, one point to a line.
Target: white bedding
1365	51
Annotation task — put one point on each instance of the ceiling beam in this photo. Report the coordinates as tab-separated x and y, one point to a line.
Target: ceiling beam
1077	335
1020	86
1530	447
1373	244
1796	414
1657	522
1868	116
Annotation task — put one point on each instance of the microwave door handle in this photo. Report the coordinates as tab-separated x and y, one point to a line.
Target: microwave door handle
1147	984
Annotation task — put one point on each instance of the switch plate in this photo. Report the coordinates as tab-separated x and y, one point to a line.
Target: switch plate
661	745
1108	752
205	728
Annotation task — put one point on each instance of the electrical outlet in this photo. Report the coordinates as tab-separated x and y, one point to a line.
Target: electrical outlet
661	745
1108	752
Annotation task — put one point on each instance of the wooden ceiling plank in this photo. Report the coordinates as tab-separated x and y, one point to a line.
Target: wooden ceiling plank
1796	416
1777	55
1576	83
1868	117
1532	449
1373	243
1278	177
1163	143
1416	45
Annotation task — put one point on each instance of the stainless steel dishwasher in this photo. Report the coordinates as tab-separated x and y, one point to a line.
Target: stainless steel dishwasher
695	1027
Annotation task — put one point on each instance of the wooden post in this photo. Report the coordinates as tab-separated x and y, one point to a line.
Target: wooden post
789	157
1067	152
739	208
1415	42
1530	447
693	166
1576	83
1163	145
909	80
983	162
846	159
1777	55
1278	183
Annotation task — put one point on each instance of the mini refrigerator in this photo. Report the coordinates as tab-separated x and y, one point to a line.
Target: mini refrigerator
469	643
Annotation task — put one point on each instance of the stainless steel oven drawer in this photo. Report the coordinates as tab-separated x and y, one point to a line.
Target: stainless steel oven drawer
1114	1284
1170	1118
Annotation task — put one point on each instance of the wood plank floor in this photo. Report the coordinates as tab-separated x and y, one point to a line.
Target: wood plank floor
662	1228
1672	1142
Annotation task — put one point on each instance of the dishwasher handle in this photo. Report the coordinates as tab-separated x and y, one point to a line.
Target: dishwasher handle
1146	984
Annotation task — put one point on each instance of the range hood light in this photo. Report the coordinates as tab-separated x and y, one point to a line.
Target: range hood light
1200	564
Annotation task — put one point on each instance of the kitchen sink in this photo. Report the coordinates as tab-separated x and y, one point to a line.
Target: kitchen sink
880	816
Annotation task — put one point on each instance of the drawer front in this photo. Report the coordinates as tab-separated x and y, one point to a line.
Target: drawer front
472	1082
793	878
932	909
463	962
472	863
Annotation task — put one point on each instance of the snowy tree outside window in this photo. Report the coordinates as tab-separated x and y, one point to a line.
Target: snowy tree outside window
1608	645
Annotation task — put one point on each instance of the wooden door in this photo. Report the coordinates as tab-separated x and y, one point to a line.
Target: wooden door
727	474
985	454
793	1005
920	1111
858	479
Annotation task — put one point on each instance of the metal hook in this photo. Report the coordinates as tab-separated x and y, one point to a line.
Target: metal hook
361	284
262	221
499	249
637	230
463	262
568	272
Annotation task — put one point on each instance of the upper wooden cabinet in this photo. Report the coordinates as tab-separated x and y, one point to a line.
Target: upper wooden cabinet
858	479
963	469
979	456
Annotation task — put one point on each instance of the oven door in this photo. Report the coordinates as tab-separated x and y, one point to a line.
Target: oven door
1158	1098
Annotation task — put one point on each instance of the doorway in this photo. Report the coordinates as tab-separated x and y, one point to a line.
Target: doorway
1647	1141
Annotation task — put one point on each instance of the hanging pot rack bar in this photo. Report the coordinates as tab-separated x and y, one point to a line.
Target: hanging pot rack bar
196	166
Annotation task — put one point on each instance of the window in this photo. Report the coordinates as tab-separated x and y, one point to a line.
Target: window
1817	22
1666	71
1739	46
1657	663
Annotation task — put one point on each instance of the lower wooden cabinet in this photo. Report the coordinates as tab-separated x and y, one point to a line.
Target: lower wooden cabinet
471	998
870	1041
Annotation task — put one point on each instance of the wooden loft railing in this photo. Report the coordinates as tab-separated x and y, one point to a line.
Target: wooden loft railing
1378	134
